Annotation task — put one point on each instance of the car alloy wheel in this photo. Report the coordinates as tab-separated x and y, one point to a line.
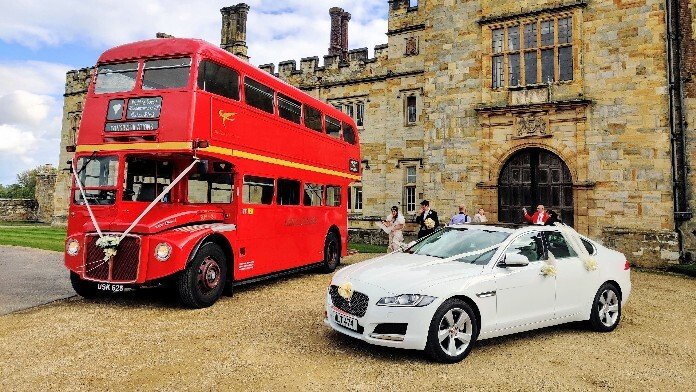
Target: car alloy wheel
455	332
608	307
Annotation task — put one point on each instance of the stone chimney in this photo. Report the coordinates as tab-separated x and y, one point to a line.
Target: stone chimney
233	35
338	42
163	35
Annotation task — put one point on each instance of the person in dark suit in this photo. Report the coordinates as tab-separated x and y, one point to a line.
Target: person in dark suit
553	218
425	214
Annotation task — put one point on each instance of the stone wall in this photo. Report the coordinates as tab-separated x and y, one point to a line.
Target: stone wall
644	248
45	187
18	210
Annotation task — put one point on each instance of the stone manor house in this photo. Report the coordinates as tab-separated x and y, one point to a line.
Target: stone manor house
585	106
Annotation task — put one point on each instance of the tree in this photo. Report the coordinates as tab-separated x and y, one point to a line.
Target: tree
25	188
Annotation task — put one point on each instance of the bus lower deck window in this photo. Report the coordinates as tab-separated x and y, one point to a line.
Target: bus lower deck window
333	196
145	179
288	192
257	190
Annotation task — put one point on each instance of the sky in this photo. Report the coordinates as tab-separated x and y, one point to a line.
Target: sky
41	40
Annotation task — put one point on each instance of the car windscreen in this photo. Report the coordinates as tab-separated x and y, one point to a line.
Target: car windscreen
452	241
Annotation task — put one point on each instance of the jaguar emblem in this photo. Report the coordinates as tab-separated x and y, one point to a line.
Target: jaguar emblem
346	291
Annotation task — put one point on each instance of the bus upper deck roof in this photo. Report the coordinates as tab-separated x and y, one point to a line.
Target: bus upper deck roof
166	47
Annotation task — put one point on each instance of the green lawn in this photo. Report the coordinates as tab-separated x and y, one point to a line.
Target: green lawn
686	269
41	237
367	248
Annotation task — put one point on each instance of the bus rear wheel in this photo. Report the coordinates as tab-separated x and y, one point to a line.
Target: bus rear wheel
332	253
203	281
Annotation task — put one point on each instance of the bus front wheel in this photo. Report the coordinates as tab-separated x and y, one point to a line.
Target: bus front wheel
332	253
203	281
83	288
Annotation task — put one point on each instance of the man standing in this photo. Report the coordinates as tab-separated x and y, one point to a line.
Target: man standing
427	219
461	217
539	218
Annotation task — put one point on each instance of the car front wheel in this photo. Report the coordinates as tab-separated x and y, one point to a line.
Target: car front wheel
453	331
606	308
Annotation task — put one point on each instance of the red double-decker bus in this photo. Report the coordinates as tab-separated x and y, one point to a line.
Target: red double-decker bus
196	169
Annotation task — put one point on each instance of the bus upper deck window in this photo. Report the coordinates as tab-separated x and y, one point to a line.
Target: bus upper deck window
113	78
348	133
218	80
289	108
164	74
333	127
312	119
258	95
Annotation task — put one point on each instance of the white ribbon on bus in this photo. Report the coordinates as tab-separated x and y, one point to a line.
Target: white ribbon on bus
108	242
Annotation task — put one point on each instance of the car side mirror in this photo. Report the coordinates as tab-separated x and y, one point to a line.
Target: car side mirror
514	260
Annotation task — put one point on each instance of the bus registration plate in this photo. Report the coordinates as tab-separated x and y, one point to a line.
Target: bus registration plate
113	288
345	321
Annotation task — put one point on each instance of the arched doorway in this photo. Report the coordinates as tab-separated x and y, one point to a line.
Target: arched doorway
535	176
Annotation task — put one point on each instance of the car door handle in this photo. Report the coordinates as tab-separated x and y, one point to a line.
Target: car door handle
486	294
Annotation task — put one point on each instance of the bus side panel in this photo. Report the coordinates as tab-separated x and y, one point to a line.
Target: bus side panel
202	116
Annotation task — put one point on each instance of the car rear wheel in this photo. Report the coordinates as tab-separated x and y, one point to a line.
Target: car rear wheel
84	288
606	308
203	281
332	253
453	331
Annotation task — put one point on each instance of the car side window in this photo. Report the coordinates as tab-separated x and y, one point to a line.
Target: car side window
529	245
556	244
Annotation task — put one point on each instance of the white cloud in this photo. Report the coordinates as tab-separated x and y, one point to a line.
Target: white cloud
15	141
276	30
36	77
22	107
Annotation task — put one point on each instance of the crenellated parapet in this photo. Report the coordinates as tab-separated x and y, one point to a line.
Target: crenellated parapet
357	62
77	81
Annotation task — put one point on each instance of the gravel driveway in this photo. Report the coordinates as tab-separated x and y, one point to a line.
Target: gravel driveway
270	336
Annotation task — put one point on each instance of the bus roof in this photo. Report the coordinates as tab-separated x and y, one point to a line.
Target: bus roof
165	47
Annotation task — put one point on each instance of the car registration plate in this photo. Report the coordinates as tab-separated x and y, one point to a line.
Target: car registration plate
345	321
113	288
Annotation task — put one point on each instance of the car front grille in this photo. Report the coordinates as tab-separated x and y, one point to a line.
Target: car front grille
357	306
122	268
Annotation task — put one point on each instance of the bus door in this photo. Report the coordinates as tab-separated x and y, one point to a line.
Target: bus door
258	240
291	224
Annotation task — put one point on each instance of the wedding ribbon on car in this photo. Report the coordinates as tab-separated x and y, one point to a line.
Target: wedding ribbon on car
109	243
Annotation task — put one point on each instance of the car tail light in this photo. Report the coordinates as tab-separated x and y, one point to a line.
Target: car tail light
627	266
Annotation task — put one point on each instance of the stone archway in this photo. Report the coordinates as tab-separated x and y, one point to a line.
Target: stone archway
535	176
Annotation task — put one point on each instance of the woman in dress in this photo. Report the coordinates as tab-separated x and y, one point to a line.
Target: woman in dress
480	216
395	221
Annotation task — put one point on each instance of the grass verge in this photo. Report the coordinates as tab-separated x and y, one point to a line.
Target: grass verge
368	248
40	237
685	269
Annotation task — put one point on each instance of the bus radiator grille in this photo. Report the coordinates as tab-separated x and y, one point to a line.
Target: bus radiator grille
357	306
124	266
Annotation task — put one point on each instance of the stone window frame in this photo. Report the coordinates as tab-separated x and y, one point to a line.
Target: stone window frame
418	95
355	203
501	50
410	189
357	108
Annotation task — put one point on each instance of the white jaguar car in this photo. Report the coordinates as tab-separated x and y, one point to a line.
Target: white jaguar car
466	283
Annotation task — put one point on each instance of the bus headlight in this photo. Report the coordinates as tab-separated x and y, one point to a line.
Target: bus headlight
162	251
72	248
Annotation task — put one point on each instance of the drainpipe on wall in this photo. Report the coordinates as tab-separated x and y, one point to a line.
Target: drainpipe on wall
677	120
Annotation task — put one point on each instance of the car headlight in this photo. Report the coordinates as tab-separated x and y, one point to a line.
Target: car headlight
407	300
72	248
162	251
